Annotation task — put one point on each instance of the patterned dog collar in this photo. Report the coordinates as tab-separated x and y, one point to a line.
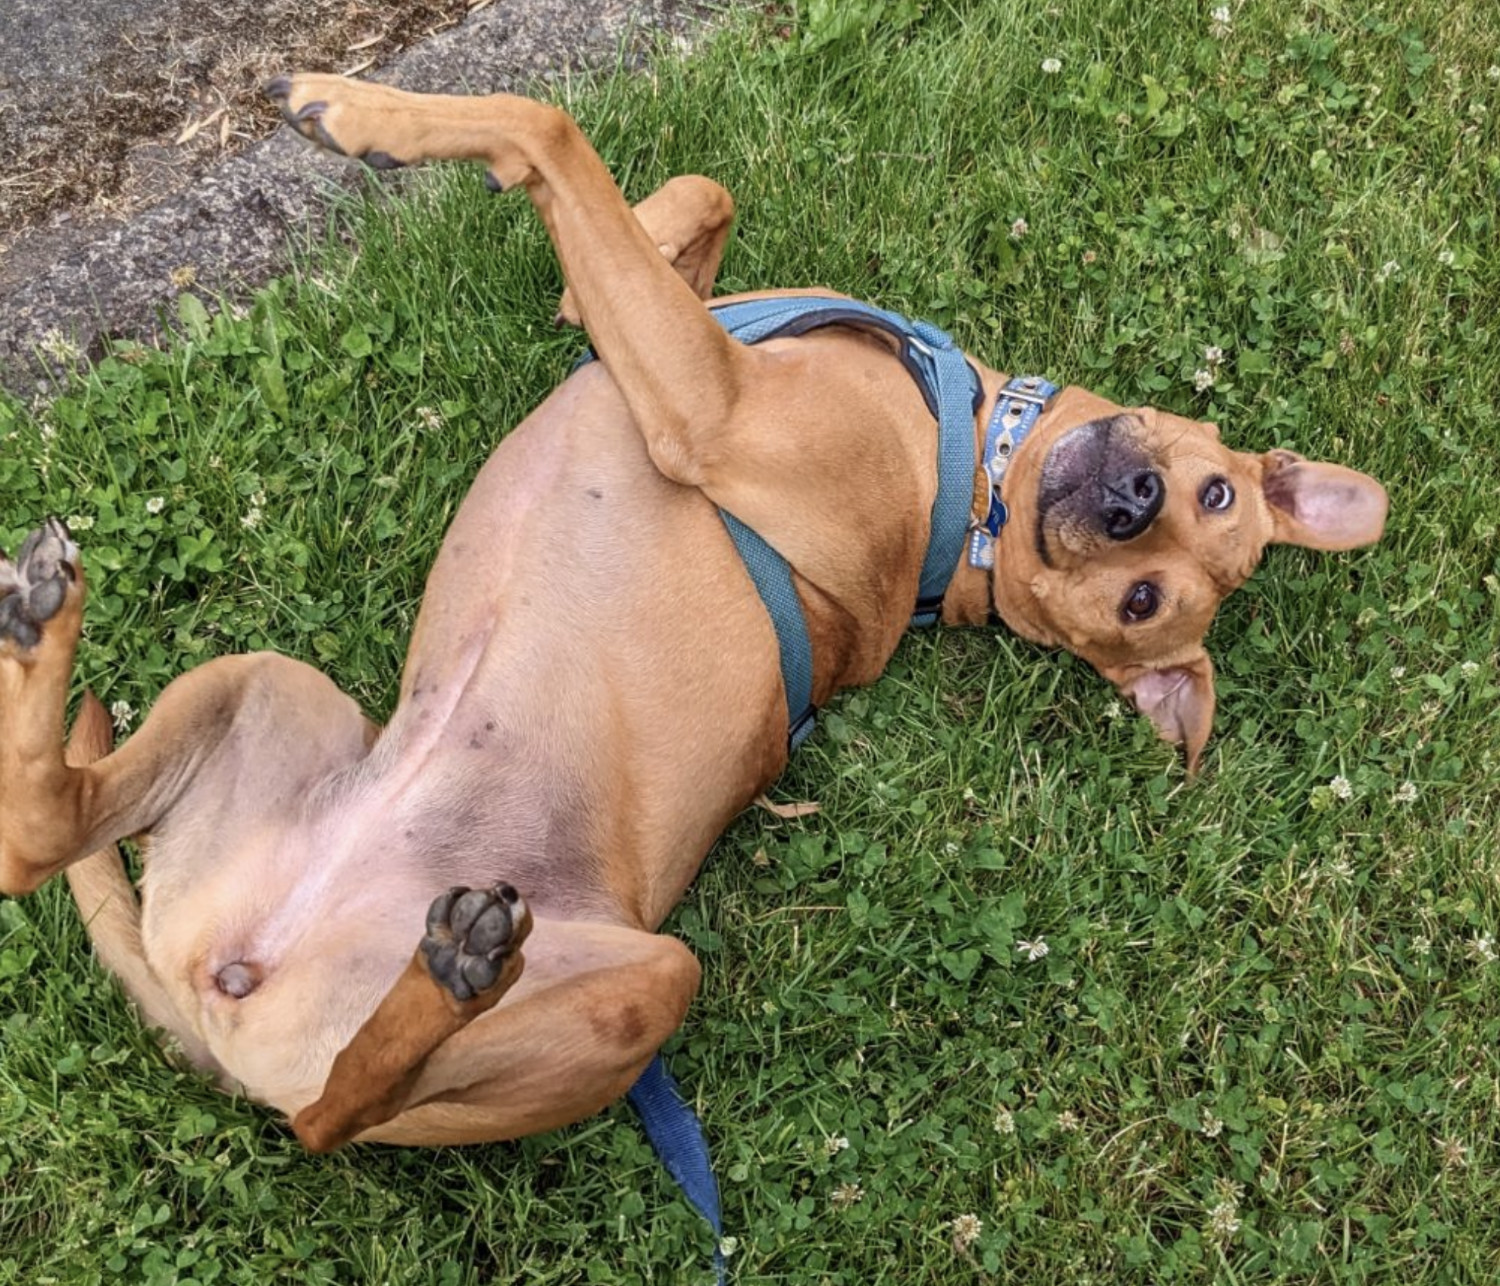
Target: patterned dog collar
1017	409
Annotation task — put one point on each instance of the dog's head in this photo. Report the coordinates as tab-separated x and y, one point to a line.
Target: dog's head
1127	529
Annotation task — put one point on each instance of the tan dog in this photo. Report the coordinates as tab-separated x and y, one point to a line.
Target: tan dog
592	690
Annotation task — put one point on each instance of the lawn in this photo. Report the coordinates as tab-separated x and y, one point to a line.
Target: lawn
1260	1045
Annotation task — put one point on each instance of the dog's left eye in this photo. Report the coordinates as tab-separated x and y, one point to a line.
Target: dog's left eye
1142	603
1217	495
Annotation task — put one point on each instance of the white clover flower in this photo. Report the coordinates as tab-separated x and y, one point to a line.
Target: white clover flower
1224	1221
432	419
1406	793
1398	671
123	714
1005	1122
1390	268
1051	65
1203	380
950	849
1482	949
1221	14
156	504
834	1144
59	347
1445	257
1019	229
966	1230
845	1195
1033	950
1112	710
728	1245
1068	1122
1454	1154
1422	945
80	522
1340	788
1493	72
252	518
1211	1126
1469	669
1213	355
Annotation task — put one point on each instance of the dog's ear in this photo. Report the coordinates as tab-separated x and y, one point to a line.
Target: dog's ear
1321	506
1178	699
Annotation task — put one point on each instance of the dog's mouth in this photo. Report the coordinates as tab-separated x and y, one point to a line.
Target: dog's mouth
1097	484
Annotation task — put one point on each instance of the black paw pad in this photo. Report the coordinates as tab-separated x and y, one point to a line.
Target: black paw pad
470	935
34	587
381	161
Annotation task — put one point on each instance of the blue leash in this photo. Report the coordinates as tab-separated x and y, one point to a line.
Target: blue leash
677	1136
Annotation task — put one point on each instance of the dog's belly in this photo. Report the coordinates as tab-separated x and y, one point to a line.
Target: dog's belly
590	655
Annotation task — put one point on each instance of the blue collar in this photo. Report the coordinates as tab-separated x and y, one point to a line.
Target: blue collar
1017	409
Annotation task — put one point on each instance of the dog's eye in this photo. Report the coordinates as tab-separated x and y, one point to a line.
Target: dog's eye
1217	495
1142	603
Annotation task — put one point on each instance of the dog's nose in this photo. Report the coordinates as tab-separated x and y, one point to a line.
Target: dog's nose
1131	503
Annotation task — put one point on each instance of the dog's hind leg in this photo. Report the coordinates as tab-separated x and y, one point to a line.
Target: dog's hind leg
597	1002
232	729
111	912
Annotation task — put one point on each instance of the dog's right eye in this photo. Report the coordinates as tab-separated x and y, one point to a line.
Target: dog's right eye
1142	602
1217	495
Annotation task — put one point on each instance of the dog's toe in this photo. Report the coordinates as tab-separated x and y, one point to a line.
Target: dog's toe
471	933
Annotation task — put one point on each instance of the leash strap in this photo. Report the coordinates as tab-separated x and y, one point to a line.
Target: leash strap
677	1138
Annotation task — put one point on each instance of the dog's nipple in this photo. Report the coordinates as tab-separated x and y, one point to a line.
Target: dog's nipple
238	979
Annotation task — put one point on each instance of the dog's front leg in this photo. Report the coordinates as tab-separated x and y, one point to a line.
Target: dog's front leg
680	374
597	1003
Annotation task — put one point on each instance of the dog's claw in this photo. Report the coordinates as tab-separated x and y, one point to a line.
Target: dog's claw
34	588
471	933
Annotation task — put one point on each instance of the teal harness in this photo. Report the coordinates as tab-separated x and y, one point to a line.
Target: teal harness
952	390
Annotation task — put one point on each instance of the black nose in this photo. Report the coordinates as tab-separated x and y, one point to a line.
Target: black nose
1131	502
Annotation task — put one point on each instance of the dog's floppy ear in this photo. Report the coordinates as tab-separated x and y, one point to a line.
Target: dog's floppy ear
1321	506
1178	699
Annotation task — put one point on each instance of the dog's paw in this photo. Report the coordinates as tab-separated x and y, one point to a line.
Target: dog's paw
35	587
322	107
471	933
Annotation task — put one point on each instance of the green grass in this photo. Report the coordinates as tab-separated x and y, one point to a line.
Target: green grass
1262	997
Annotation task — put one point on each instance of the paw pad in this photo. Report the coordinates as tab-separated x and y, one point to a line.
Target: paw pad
34	587
470	935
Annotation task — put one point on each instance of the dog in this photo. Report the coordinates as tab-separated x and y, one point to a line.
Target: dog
593	688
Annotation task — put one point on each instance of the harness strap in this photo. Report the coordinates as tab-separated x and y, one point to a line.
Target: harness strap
952	391
949	385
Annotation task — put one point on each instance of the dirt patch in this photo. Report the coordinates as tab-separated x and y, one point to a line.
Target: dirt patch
94	113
